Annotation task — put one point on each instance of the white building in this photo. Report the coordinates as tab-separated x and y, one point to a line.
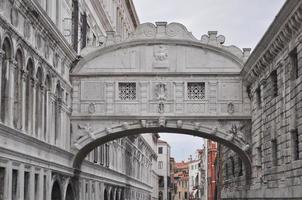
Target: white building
40	40
194	177
163	170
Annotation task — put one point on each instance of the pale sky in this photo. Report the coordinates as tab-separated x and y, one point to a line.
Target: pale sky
242	22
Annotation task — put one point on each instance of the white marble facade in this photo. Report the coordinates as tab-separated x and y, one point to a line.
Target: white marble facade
36	106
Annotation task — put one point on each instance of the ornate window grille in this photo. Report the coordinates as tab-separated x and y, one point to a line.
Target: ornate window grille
127	91
196	90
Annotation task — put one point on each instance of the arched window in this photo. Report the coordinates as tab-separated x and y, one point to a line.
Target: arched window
46	105
240	167
232	165
56	191
6	47
57	112
38	114
29	96
17	119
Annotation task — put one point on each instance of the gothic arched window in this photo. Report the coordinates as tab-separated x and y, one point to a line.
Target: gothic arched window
29	97
17	119
7	49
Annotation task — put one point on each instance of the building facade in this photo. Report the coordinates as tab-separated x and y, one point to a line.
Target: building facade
181	178
40	41
273	76
163	170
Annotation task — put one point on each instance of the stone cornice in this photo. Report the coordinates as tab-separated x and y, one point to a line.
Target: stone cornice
285	26
156	74
51	28
76	116
132	12
101	14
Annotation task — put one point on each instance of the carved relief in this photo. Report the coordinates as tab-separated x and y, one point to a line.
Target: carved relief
14	16
161	107
161	91
231	108
46	50
27	29
91	108
160	56
38	40
83	130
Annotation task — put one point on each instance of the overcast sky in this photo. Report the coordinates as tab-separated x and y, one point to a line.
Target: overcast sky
242	22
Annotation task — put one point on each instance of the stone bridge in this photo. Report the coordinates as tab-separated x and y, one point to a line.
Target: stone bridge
161	79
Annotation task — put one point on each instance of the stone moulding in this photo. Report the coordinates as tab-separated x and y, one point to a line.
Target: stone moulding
165	34
287	24
95	138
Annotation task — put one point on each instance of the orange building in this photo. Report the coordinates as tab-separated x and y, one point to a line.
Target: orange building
181	179
211	176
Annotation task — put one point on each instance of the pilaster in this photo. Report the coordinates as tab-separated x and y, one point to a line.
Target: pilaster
1	61
11	90
23	85
8	180
32	183
21	182
33	122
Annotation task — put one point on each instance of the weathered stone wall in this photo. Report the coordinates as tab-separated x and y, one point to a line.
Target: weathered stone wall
274	78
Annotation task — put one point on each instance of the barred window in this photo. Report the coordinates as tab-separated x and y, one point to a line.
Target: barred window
127	91
196	90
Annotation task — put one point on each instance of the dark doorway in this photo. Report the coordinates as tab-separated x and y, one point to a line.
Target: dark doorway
69	193
105	195
111	195
56	191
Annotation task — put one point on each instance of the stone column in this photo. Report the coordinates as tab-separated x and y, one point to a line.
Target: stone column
21	182
41	126
32	183
33	122
46	116
41	184
23	85
8	181
96	190
51	117
48	182
11	90
1	61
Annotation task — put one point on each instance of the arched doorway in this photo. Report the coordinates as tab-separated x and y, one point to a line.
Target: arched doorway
69	193
56	191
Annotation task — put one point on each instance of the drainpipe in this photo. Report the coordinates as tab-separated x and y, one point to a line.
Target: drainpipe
75	24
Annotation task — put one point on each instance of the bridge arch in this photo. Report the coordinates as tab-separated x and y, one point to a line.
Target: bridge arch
96	138
177	84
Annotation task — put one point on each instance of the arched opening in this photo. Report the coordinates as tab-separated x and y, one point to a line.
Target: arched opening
17	118
29	96
39	103
88	143
7	50
69	193
105	194
56	191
